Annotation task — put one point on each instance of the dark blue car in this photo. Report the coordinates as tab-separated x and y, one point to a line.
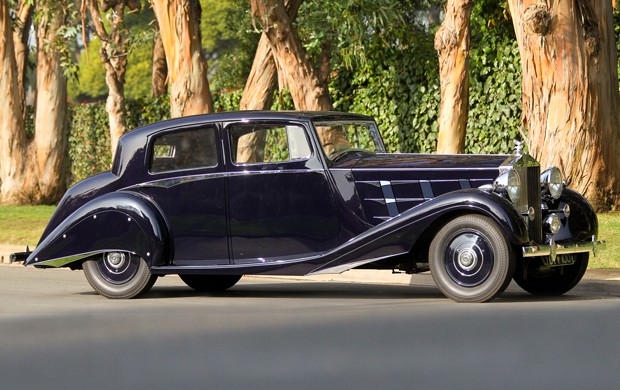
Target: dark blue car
215	197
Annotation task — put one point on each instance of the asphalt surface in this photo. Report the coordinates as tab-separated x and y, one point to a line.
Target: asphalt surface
273	333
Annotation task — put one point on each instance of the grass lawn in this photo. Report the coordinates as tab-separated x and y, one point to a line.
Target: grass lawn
23	225
608	230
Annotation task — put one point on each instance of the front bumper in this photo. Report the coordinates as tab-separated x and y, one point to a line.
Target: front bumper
554	249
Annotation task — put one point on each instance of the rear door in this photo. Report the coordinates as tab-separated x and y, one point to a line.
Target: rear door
281	205
186	180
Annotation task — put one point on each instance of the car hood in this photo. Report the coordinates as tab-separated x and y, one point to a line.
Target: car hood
389	184
431	161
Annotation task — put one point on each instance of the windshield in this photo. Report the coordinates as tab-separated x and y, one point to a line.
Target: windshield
338	137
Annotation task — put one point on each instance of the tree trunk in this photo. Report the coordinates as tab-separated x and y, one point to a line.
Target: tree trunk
32	171
258	91
20	42
452	45
294	66
291	58
12	134
160	69
179	26
570	92
113	54
51	110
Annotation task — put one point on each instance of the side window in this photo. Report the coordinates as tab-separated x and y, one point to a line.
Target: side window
186	149
265	143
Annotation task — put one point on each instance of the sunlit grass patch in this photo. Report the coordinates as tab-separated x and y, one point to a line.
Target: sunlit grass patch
23	225
609	230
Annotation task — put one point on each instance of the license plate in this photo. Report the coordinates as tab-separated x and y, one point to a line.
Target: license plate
560	260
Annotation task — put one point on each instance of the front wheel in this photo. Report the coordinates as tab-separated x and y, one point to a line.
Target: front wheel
537	279
118	275
210	283
471	260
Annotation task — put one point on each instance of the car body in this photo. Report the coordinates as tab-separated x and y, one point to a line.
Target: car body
214	197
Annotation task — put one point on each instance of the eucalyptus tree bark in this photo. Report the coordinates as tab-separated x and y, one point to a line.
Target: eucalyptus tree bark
259	89
113	54
307	89
179	26
292	61
21	29
160	68
51	110
32	170
570	91
452	45
13	143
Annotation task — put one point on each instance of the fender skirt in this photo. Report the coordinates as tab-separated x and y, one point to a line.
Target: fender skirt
119	221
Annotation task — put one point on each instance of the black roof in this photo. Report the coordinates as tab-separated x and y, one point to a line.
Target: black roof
241	115
135	139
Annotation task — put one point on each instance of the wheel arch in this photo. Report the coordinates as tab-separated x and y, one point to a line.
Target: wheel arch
118	221
459	203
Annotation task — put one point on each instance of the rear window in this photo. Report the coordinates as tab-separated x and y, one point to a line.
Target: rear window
186	149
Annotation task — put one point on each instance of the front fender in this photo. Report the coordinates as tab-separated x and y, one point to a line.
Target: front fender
118	221
400	234
582	223
489	204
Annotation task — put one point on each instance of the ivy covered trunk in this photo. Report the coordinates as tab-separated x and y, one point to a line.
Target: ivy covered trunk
32	171
179	26
452	45
307	89
570	92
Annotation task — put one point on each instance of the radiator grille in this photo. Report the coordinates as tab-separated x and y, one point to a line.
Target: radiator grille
534	200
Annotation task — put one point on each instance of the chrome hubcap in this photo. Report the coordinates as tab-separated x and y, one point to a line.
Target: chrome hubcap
469	259
118	267
115	260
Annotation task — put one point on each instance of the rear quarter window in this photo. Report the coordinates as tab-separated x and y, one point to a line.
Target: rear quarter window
185	149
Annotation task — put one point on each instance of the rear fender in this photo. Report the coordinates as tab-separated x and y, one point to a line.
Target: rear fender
119	221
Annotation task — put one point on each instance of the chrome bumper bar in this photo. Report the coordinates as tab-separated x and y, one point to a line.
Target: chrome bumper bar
554	249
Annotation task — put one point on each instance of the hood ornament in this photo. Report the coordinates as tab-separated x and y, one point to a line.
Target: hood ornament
518	147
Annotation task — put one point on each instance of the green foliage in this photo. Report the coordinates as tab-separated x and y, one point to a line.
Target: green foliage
494	119
230	58
90	81
89	134
227	100
399	86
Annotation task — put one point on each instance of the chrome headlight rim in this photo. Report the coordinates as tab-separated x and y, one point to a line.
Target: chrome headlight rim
552	182
509	184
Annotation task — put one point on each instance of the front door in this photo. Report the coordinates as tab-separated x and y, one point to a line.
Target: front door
281	205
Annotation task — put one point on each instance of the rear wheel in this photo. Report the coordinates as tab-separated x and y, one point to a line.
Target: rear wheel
210	283
118	275
534	277
471	260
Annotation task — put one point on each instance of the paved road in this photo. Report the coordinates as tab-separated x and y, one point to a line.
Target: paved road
266	334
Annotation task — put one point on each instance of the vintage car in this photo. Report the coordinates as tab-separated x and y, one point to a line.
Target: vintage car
215	197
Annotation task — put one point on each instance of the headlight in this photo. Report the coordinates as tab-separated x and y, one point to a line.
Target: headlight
551	182
508	183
